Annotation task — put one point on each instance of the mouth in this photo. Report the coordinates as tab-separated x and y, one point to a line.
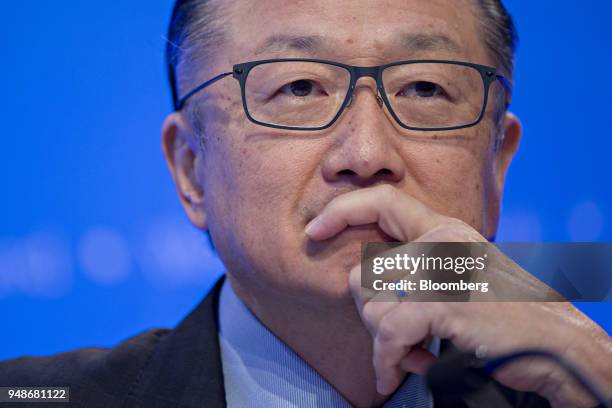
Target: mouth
315	204
349	239
363	233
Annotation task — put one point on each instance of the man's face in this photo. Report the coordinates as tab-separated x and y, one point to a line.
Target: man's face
261	186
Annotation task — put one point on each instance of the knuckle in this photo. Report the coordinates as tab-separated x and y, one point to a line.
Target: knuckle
452	222
386	329
452	229
368	312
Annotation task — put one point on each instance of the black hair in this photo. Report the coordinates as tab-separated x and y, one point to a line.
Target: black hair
197	22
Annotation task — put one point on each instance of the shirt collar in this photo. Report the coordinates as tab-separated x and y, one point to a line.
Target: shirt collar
260	370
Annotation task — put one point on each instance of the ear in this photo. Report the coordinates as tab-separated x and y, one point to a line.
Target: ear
507	147
181	150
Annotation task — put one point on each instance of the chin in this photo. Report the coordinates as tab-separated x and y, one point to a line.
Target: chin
331	289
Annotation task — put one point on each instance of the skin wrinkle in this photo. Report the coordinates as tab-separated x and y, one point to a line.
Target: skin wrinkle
414	158
262	185
254	180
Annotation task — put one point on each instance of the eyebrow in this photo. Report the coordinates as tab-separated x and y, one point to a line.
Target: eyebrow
428	42
410	42
281	42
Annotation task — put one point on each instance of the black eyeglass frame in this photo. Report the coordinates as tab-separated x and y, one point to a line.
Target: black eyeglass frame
241	72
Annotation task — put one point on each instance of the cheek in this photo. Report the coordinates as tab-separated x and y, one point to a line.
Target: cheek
253	182
257	175
453	178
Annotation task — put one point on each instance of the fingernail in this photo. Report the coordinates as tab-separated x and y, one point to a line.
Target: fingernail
313	226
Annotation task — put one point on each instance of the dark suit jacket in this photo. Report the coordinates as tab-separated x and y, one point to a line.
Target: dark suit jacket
178	368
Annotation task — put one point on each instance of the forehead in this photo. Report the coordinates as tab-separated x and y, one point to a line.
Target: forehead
374	31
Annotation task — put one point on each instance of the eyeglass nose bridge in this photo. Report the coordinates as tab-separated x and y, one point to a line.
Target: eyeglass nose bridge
372	72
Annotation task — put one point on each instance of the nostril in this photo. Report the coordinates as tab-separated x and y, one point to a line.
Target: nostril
384	172
346	172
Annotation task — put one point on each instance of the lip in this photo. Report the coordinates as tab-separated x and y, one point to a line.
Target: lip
347	243
364	233
315	205
367	232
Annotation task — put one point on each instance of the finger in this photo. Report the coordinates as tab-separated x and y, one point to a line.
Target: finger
417	361
373	312
399	215
363	295
360	294
399	330
386	361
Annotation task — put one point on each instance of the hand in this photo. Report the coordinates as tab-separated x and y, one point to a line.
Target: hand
399	328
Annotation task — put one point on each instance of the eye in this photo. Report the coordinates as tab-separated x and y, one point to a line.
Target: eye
300	90
422	89
302	87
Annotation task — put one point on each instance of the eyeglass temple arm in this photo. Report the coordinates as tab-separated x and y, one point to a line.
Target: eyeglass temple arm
181	102
507	86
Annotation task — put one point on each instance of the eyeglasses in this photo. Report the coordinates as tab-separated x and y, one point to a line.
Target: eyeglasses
311	94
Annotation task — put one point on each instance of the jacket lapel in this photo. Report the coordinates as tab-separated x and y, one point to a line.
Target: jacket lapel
185	369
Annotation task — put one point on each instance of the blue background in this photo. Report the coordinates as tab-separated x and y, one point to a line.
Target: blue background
93	244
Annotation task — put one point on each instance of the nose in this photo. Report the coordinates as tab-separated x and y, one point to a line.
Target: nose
366	147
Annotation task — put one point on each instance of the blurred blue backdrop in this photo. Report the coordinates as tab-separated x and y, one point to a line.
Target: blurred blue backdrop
93	245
